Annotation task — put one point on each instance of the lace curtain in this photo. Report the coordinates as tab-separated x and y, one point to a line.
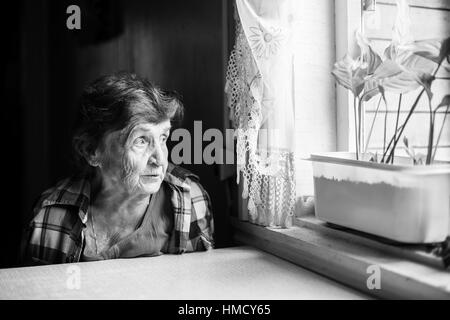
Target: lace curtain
260	89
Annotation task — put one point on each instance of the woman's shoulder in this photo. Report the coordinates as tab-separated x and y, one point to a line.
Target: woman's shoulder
180	172
180	177
68	195
190	183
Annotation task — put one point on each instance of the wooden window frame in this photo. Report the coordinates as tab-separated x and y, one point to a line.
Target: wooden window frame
348	18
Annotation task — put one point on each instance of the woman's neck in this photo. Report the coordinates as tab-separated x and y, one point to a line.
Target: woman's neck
109	197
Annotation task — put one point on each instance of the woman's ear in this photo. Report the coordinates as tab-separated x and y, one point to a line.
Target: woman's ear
94	159
84	149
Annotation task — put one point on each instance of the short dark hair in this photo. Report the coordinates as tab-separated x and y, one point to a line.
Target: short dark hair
114	101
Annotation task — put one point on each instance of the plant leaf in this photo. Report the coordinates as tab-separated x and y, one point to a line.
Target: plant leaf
406	57
445	101
408	149
393	77
342	72
370	60
419	57
348	74
445	49
419	158
387	69
351	73
426	81
402	83
415	63
373	157
405	141
428	49
371	88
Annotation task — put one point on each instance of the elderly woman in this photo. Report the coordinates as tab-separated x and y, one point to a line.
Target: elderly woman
126	200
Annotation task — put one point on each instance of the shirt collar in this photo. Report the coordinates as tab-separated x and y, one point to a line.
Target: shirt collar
177	176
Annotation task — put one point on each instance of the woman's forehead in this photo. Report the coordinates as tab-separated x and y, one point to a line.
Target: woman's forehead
144	127
121	136
151	127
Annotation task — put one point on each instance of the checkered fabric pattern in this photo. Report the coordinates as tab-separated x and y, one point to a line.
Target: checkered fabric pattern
55	233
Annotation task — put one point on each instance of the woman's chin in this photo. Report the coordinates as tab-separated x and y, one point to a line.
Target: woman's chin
150	184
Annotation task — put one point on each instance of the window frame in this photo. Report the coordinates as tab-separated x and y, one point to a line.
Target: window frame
315	251
348	18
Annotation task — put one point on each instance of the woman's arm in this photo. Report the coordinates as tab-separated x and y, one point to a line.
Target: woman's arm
201	232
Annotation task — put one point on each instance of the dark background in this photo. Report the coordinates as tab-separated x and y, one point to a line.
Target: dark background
179	45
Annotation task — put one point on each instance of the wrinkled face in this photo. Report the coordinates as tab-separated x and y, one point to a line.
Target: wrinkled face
136	158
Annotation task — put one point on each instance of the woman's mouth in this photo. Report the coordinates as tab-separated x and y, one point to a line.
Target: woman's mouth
151	177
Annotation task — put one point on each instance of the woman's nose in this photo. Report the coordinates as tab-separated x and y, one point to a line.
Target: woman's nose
156	156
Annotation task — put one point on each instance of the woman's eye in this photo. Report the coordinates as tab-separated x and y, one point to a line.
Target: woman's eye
164	139
140	141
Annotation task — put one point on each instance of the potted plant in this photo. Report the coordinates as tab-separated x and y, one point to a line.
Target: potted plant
406	199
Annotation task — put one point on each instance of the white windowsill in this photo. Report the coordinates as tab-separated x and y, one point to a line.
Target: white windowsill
345	257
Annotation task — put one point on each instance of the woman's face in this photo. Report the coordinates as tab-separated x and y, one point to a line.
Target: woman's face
136	158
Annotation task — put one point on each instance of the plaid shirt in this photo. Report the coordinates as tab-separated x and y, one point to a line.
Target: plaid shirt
56	235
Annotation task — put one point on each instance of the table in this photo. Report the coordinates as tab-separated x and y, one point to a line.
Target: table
236	273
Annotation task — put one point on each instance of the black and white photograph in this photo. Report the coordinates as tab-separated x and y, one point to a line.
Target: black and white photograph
225	155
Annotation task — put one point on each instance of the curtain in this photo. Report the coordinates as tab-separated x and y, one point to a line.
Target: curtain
260	90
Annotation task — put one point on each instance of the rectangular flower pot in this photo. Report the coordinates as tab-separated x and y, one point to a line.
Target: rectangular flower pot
400	202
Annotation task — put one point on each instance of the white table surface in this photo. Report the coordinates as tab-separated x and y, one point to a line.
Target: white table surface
230	273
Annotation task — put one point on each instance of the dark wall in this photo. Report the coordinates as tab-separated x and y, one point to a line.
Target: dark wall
176	44
11	133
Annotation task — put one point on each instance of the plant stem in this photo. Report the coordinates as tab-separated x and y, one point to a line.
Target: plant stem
371	126
440	131
442	78
396	123
430	135
412	110
361	122
390	143
356	128
384	128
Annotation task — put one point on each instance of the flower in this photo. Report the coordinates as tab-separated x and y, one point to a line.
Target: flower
265	43
352	73
408	64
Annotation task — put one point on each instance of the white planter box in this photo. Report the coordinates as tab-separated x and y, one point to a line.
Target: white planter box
400	202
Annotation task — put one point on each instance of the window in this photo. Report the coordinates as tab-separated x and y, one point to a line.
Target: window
430	19
324	114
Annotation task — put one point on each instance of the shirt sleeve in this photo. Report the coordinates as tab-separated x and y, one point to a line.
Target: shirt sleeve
32	248
49	237
201	234
29	232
